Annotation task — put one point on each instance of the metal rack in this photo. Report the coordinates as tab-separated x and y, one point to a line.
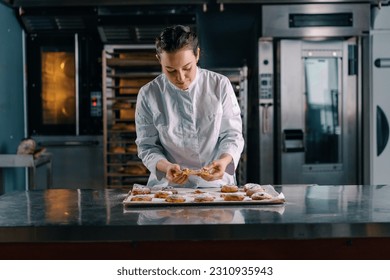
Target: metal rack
126	68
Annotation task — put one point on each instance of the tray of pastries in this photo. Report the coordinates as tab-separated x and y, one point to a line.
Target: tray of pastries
249	194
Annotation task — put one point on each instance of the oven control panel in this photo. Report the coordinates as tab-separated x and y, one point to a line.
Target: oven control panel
265	86
96	104
265	71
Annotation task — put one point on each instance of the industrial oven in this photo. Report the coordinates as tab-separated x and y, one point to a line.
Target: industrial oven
64	105
310	92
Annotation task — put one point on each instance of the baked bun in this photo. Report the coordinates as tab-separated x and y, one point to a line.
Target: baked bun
204	197
140	190
141	197
118	150
162	194
233	197
132	148
174	198
254	189
248	186
198	191
229	189
133	168
261	196
170	189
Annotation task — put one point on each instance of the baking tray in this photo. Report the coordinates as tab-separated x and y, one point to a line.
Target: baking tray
189	194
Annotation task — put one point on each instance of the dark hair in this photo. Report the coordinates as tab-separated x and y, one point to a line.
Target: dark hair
175	38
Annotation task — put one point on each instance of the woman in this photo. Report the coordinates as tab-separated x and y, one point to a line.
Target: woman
187	117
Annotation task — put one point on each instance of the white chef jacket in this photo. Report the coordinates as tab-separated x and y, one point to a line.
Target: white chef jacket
189	127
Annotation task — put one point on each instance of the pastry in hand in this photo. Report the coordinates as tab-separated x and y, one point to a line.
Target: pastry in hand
198	172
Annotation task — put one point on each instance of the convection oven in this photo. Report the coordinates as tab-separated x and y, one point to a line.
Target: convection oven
310	59
379	101
63	85
64	105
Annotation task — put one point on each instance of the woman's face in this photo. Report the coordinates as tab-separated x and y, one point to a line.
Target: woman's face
179	67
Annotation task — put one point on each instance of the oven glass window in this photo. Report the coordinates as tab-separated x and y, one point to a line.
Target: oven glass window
323	127
58	87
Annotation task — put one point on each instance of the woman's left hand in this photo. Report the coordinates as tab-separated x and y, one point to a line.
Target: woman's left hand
216	169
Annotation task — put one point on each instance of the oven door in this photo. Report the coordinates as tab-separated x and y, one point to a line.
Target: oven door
63	85
380	154
317	131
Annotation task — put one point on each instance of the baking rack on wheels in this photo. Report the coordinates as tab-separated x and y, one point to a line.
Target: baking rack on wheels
126	68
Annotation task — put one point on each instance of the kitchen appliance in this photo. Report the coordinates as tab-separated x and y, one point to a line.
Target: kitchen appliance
379	101
63	85
310	93
64	105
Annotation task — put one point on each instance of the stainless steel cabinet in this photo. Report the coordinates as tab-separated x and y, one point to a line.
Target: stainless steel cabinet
125	70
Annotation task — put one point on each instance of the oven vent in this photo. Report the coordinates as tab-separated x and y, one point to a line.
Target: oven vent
53	23
116	34
316	20
130	34
313	20
38	23
147	33
69	23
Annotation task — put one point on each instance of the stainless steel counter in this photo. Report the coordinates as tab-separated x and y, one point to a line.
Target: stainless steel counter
311	212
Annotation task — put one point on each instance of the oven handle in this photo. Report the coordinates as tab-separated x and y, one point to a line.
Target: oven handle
382	62
293	141
382	130
265	119
68	143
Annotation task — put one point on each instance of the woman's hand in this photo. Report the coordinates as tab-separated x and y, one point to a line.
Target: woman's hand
216	169
172	171
175	175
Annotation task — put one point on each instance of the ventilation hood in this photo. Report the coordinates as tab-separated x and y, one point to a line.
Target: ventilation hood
116	22
140	24
97	3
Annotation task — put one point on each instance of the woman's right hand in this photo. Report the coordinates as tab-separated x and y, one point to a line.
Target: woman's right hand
175	175
173	172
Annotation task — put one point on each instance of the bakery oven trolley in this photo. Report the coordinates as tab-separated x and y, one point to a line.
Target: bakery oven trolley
126	68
